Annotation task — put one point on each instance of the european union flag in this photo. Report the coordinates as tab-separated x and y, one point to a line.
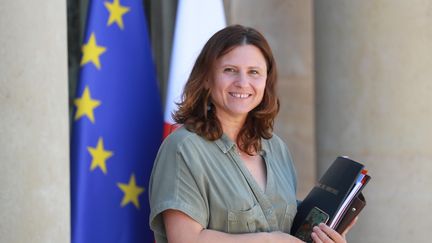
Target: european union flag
117	126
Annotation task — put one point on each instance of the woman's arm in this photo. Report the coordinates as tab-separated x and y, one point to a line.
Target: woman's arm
180	228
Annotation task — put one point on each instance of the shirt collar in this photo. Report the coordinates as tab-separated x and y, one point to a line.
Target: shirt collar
226	144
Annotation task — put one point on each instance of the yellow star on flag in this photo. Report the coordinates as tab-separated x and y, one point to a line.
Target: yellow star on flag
91	52
131	192
100	155
85	105
116	12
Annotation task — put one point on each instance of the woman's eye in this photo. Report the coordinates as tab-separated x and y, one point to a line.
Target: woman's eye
254	72
229	70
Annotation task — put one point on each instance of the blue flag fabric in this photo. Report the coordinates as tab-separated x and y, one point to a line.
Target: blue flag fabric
117	127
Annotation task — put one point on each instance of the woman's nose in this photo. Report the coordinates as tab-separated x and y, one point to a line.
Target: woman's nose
242	80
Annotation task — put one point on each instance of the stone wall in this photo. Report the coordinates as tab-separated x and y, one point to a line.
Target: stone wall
34	130
373	82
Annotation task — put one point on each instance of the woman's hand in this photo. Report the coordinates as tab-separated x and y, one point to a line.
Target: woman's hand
325	234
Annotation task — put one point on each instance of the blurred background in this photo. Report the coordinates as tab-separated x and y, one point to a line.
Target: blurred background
354	80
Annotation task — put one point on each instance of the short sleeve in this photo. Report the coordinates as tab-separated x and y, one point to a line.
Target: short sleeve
173	186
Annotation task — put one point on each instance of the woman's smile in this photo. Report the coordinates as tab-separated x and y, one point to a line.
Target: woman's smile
240	95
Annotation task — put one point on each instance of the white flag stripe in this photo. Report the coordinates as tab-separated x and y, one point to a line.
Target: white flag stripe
196	22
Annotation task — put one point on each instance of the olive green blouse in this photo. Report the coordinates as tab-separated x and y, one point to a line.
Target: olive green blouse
208	181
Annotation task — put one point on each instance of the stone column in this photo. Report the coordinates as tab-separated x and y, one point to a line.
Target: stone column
34	133
373	86
287	25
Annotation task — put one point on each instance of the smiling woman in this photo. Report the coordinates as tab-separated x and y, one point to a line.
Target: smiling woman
224	176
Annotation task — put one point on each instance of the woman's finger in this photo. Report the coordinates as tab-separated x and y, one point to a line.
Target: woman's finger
331	233
321	235
315	238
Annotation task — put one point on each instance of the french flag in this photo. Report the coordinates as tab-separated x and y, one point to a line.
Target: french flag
196	22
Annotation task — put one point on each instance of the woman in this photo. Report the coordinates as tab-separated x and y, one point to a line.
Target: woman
224	176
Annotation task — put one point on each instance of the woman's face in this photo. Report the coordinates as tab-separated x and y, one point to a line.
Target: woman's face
238	83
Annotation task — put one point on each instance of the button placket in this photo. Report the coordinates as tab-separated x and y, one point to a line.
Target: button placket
260	196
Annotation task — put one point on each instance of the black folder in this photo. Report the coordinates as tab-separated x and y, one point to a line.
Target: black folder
332	191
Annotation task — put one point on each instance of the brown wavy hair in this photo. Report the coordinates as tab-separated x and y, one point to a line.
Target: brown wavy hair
194	110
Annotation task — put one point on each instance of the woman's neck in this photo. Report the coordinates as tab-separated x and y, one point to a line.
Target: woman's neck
231	126
231	131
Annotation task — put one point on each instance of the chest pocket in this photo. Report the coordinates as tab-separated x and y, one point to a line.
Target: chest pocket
247	221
